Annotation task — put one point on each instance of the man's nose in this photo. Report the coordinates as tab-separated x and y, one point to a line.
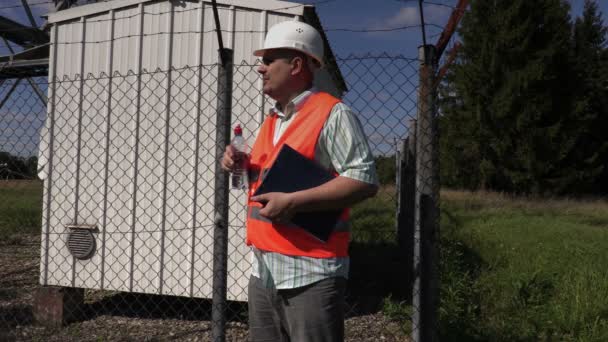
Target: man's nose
262	69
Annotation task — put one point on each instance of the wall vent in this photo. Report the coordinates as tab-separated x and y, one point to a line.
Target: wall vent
81	242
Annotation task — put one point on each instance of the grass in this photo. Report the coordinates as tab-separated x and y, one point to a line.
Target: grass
20	207
375	256
512	269
374	219
518	269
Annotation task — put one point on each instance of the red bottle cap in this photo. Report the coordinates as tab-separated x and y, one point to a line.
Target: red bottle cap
238	130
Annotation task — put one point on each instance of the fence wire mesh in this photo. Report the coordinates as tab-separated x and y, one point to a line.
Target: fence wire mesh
107	203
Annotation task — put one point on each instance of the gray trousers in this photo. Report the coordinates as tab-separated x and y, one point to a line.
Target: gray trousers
306	314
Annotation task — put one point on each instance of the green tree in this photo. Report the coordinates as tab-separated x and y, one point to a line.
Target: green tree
31	166
12	167
591	104
510	129
386	169
458	143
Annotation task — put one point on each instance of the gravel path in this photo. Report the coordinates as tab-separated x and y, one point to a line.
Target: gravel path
19	271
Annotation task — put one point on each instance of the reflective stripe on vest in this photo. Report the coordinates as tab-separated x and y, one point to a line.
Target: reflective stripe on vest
254	213
291	240
301	135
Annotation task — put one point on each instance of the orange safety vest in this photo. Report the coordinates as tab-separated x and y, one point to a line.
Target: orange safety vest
302	135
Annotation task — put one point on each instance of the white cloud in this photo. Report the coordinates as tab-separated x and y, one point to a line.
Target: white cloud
410	16
407	16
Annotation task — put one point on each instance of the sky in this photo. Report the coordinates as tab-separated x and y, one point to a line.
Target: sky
359	15
382	92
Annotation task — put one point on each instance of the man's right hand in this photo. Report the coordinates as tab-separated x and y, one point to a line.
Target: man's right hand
228	159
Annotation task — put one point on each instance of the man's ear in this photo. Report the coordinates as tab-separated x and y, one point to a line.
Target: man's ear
297	65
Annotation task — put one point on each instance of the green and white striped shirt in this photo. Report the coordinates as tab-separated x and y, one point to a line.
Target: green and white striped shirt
342	147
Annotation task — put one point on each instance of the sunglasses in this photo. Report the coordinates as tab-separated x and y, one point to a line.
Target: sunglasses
268	60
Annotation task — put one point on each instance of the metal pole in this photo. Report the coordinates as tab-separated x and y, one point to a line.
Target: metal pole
10	91
406	206
218	30
420	8
220	232
26	7
450	27
425	288
39	92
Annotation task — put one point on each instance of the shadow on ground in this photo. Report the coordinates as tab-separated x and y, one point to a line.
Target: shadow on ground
139	305
377	271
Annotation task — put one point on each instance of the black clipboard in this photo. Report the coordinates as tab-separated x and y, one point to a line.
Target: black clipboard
292	172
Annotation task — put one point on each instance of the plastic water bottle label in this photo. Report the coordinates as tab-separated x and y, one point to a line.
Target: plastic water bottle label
239	175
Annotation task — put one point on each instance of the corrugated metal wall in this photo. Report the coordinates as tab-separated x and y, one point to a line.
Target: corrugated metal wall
142	169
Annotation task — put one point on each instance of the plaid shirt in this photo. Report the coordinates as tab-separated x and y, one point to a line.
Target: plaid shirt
342	147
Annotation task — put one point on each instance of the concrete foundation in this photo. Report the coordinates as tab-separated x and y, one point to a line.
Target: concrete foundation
57	306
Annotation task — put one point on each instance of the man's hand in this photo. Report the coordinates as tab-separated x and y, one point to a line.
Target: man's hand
278	206
228	159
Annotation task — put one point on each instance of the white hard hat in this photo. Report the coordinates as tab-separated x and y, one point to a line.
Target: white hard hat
294	35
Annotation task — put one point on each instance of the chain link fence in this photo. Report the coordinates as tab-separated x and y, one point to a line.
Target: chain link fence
107	206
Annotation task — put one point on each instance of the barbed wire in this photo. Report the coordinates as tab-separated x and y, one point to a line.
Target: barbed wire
454	8
435	35
439	4
306	4
130	73
102	41
428	3
207	68
43	81
382	29
361	30
373	57
237	9
274	9
148	231
236	31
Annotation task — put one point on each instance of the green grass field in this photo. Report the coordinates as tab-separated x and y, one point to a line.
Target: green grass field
20	207
512	269
374	219
523	269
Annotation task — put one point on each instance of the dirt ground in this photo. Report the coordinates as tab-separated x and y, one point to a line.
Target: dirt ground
115	316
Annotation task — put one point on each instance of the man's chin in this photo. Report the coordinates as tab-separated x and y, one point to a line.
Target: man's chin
267	92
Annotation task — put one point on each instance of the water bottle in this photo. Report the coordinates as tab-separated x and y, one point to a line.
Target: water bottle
241	149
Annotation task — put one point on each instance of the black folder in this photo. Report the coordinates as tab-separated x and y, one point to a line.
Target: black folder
292	172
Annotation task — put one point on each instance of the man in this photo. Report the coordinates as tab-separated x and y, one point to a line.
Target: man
296	290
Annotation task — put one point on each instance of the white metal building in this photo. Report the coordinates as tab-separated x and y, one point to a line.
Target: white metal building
140	173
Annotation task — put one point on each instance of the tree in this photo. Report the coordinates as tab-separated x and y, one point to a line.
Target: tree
458	143
386	169
591	103
511	128
13	167
31	166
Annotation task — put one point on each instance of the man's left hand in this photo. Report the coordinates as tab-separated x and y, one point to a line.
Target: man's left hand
278	206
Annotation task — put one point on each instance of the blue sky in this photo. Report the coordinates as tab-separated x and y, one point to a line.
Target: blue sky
383	92
347	14
365	14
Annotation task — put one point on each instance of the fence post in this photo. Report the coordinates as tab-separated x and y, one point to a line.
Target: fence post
220	231
406	191
426	288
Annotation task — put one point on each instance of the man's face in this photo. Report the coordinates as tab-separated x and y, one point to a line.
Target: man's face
276	71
